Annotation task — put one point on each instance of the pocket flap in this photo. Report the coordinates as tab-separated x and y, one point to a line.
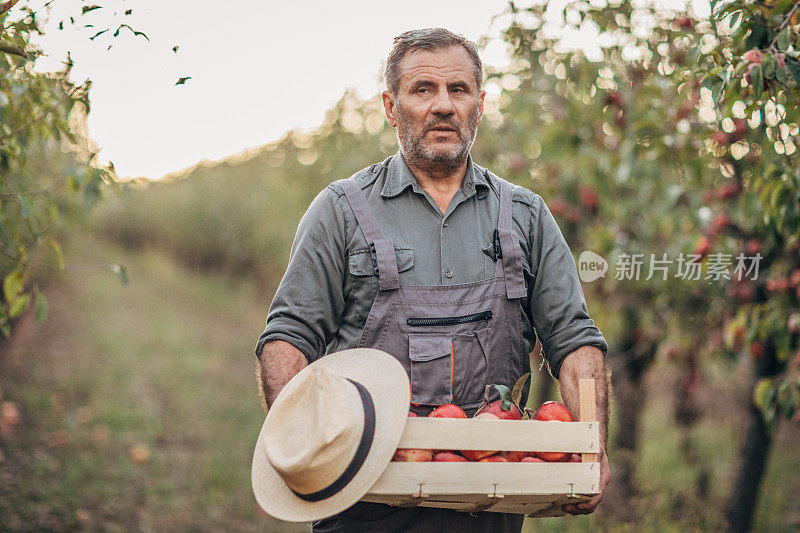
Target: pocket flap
360	261
423	347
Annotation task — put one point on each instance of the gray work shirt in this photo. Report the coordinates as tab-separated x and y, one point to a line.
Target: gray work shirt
323	300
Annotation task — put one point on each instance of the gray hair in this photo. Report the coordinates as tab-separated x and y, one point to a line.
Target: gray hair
430	39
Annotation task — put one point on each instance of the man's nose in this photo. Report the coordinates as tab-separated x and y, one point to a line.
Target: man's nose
442	105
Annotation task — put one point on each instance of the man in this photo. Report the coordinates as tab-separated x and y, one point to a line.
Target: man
438	262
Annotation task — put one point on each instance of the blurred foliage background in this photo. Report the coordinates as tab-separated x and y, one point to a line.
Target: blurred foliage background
675	138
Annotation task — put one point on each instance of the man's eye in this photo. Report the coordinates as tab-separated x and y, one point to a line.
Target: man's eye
423	90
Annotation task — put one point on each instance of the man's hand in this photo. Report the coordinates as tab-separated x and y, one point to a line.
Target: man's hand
605	477
588	362
279	363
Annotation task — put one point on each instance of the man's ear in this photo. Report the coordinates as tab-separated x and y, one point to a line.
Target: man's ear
388	107
480	106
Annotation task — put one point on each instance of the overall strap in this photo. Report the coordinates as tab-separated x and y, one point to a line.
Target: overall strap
380	246
509	245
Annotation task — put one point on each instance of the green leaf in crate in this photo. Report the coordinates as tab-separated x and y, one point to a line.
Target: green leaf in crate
505	396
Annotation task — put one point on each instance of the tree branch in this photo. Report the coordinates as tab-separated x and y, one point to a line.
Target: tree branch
785	22
6	6
37	119
12	49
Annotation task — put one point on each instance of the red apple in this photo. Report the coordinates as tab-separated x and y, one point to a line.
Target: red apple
477	455
514	457
720	223
532	459
412	455
575	458
753	56
703	247
549	412
728	191
449	457
553	411
496	408
493	459
448	410
504	408
757	350
754	246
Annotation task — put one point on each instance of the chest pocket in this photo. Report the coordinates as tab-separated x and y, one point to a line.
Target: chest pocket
361	265
361	285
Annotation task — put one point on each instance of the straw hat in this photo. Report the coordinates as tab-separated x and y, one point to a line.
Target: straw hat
330	434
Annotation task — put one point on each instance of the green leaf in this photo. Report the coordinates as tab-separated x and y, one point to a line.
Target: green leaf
86	9
505	397
784	39
41	307
756	37
761	392
24	206
5	329
18	305
98	34
757	80
12	285
782	75
181	81
794	67
120	271
53	244
128	11
716	89
768	64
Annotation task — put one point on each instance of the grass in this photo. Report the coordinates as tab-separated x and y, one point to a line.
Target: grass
165	366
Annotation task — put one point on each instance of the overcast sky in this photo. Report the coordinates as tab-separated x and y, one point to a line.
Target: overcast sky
258	68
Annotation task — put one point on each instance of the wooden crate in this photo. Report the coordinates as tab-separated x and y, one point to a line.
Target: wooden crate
534	489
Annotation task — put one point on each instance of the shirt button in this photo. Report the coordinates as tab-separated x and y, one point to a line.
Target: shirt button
448	273
445	224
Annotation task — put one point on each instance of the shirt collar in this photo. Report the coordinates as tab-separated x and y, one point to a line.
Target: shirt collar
399	177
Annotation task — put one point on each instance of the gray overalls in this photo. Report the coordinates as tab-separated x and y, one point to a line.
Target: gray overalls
452	341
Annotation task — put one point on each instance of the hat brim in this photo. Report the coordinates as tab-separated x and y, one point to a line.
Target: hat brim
387	382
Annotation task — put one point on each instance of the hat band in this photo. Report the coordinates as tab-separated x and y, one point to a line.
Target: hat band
361	452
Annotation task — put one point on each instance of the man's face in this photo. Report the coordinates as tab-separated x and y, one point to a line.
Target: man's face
436	109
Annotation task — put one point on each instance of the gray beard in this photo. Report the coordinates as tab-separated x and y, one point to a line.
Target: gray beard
420	154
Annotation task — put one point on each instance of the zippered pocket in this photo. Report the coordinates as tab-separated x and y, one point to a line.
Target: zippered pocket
450	320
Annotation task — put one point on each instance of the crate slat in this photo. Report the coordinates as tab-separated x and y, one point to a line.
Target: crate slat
409	479
511	435
539	505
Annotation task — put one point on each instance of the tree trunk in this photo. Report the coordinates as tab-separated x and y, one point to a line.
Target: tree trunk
628	369
755	450
744	495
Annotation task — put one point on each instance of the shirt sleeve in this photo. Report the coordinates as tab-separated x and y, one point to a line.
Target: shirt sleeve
308	305
558	308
